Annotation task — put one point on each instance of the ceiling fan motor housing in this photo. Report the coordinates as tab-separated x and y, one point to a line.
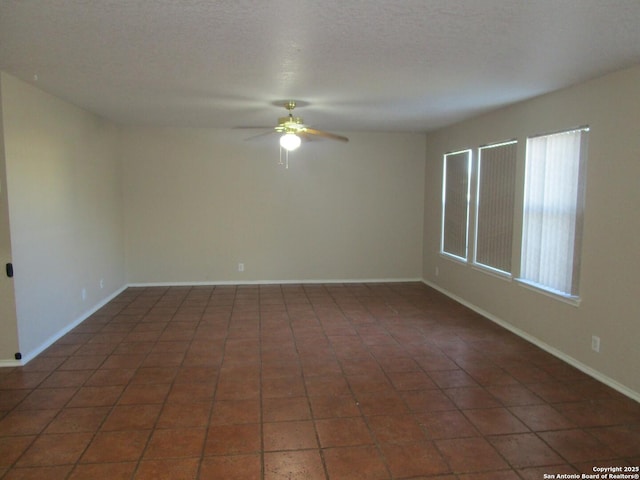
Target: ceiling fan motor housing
290	120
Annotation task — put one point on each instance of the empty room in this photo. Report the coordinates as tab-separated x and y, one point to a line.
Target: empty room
319	240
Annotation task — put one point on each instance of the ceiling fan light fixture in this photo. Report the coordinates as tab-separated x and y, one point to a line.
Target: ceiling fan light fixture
290	141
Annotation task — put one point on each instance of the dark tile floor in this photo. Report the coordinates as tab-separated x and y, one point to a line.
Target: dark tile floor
375	381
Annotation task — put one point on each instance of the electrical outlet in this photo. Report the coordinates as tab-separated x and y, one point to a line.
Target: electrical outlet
241	267
595	343
102	283
84	294
437	271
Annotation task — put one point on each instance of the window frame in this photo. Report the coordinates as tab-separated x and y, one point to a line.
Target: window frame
469	160
473	172
572	297
478	172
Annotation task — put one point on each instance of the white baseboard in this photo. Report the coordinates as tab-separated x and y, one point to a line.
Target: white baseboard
610	382
274	282
28	356
10	363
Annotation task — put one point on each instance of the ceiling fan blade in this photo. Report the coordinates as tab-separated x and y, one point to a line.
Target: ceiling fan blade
306	137
252	128
263	134
321	133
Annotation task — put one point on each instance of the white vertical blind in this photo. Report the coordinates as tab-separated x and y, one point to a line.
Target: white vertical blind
553	204
455	203
495	206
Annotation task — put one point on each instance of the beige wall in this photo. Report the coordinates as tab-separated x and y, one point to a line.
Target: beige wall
610	280
8	326
198	202
64	184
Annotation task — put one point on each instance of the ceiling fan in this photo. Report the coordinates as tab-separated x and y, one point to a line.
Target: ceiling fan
294	130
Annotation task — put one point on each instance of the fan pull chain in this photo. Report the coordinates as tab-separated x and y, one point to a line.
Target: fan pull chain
286	156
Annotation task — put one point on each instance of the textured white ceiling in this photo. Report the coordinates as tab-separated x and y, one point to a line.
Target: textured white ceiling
396	65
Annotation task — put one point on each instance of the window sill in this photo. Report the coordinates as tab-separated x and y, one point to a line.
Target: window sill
493	272
454	258
570	299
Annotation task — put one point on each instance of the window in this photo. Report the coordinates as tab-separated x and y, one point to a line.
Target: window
455	203
553	207
495	206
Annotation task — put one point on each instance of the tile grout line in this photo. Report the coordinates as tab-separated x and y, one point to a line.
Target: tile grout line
164	403
215	386
302	373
